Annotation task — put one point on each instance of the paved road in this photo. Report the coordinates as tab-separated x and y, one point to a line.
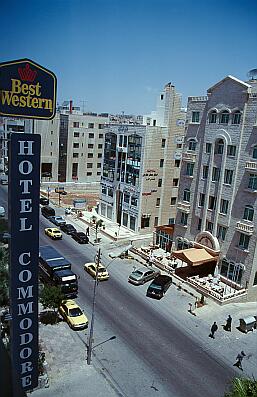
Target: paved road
152	351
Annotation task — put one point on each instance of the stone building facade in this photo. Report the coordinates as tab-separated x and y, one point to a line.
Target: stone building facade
217	205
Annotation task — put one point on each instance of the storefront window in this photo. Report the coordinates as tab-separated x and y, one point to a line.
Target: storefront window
232	271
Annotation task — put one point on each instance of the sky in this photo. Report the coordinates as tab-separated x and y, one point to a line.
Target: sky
116	56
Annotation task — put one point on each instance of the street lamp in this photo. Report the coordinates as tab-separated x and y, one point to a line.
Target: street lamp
91	331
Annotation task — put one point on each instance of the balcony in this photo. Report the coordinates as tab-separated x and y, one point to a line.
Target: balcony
197	98
182	206
251	166
245	228
188	156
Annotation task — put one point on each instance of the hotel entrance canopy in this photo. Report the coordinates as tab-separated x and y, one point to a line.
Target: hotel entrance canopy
194	256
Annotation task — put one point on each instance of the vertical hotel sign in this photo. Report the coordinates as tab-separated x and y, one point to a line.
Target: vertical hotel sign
24	160
27	90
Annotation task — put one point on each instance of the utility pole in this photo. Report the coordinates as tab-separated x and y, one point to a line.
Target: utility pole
91	332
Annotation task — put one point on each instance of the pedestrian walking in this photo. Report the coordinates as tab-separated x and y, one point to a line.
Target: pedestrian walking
239	360
227	327
87	231
214	328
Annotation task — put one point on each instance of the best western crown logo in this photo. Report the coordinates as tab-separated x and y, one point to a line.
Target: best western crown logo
27	90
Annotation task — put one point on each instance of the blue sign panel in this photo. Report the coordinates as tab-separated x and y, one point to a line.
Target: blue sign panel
24	188
27	90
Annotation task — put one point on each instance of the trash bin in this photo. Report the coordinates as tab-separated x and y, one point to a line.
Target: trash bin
247	324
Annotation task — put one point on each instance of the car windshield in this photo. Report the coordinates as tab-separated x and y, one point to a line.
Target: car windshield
137	274
75	312
155	286
55	231
101	270
58	218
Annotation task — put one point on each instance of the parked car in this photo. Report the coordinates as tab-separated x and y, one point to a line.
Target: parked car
2	212
142	275
159	286
73	314
54	233
80	237
44	201
57	220
47	211
4	181
68	228
67	211
102	272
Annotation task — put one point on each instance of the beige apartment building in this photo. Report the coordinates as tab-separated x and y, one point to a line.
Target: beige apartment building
216	222
72	146
141	167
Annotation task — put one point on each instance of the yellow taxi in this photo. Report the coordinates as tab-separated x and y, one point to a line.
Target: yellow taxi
73	315
102	272
54	233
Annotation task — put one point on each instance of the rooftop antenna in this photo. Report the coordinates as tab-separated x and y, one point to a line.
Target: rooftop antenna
252	74
83	106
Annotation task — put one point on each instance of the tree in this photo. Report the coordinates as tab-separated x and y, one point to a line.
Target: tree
51	298
242	387
4	277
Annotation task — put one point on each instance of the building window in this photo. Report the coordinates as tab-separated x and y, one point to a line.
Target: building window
248	213
179	145
215	174
75	155
132	223
125	219
154	123
91	125
171	221
99	155
110	192
74	170
231	271
212	203
183	218
224	206
89	165
255	152
213	117
209	226
195	117
89	173
90	155
75	145
91	135
175	182
126	198
101	136
162	97
134	201
155	221
158	201
224	117
98	173
208	147
159	182
100	146
231	151
104	190
199	226
186	195
100	126
255	279
192	145
228	176
90	146
236	118
163	142
99	165
244	240
205	171
173	200
161	163
219	146
76	134
177	163
221	232
252	184
145	222
75	124
189	169
201	200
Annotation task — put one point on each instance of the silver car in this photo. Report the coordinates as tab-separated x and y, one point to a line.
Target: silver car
142	275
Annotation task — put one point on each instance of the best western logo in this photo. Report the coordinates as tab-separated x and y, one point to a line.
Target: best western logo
28	91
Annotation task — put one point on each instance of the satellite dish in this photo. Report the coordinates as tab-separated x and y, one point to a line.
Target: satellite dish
252	74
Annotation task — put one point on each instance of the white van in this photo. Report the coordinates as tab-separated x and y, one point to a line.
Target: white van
2	212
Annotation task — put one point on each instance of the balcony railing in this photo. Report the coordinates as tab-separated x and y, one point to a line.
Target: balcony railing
245	228
197	98
188	156
251	166
182	206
